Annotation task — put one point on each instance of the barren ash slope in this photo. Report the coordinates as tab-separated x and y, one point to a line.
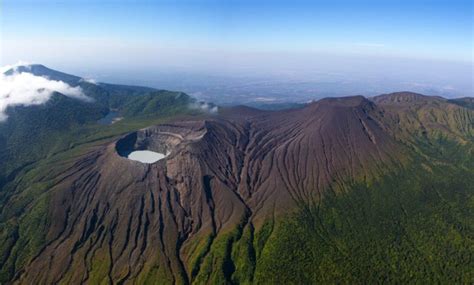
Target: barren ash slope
345	190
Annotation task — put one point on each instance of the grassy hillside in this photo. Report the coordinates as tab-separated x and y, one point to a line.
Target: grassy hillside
415	226
467	102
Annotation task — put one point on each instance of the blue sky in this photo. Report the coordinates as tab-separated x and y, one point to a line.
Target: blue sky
210	36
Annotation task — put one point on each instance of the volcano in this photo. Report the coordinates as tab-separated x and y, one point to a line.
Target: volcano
234	171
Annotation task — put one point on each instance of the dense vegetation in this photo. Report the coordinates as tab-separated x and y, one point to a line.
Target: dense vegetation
467	102
415	226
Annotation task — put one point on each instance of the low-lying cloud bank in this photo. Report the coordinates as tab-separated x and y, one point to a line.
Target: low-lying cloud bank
26	89
205	107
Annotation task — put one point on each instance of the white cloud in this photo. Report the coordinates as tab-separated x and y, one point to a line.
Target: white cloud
89	80
6	68
205	107
208	108
265	99
26	89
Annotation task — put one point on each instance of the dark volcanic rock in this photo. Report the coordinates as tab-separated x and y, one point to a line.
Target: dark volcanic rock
221	173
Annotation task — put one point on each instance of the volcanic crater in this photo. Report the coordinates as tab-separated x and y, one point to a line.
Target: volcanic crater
155	143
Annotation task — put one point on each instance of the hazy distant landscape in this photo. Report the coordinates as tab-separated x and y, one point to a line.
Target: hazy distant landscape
283	85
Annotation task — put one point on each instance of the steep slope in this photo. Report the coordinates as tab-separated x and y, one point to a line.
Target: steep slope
416	115
41	70
467	102
212	211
